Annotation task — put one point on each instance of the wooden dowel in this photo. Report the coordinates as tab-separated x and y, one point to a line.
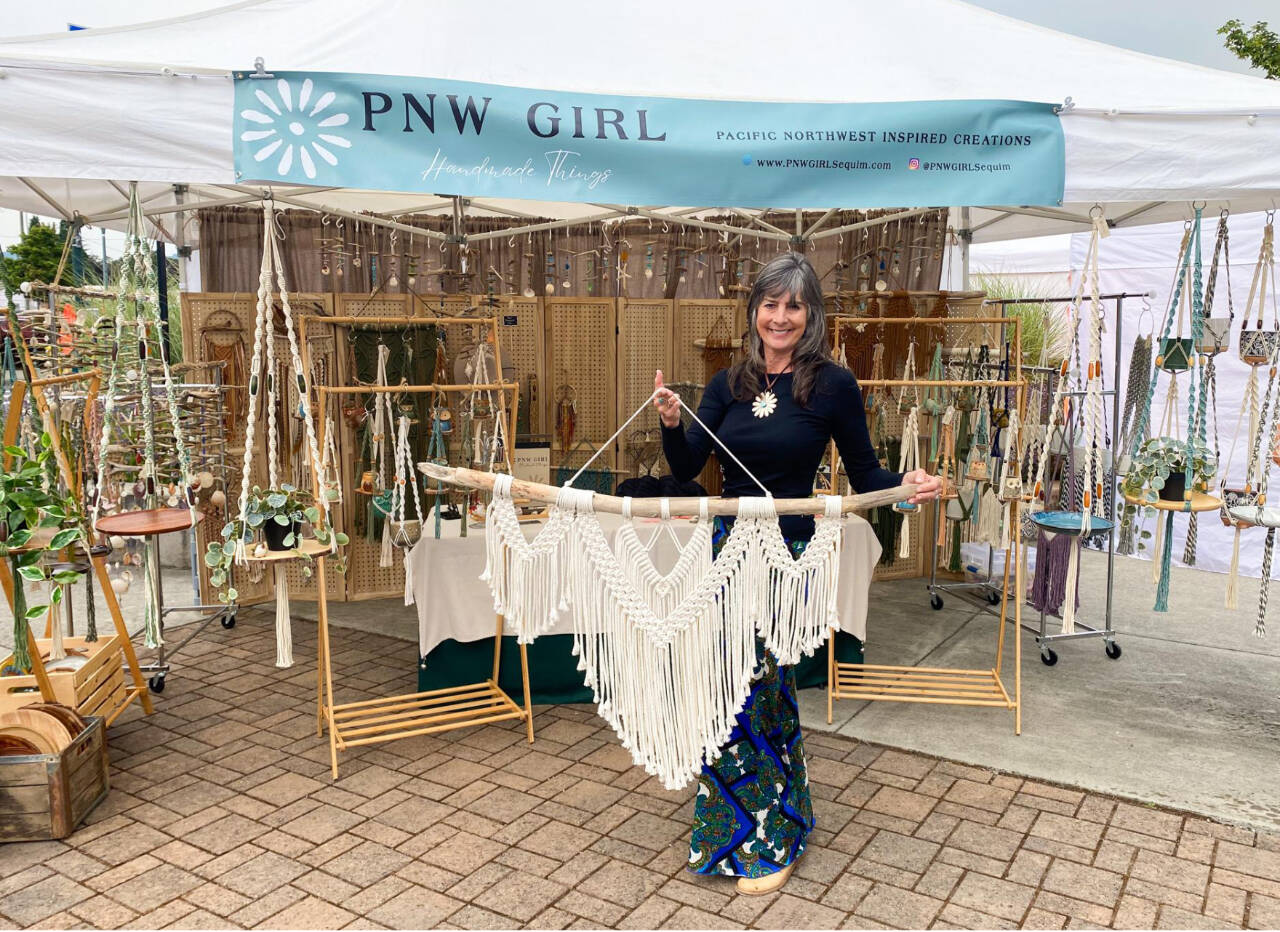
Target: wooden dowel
927	321
64	379
394	389
938	383
399	321
651	507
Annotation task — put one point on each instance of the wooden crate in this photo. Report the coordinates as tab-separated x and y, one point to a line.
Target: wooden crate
45	796
97	688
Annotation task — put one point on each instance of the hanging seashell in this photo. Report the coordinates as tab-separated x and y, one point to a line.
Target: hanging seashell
116	542
260	550
119	585
218	498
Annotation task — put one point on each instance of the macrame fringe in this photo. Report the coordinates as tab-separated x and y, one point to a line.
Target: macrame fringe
284	627
151	621
386	556
21	642
1049	585
989	519
1155	559
1233	576
1166	562
1071	585
669	658
90	611
1189	552
1260	629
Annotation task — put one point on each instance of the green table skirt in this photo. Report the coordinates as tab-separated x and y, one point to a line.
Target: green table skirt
553	670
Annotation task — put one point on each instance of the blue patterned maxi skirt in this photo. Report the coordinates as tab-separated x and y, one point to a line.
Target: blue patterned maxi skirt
752	812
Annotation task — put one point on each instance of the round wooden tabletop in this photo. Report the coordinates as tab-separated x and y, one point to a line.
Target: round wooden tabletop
148	523
1200	501
310	547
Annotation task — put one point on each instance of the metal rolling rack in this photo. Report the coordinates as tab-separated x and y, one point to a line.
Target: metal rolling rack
1107	632
215	461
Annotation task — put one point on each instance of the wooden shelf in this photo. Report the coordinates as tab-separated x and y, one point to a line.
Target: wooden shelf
920	684
377	720
1200	501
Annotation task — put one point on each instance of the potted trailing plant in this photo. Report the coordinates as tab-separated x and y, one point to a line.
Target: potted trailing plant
1160	466
35	518
275	520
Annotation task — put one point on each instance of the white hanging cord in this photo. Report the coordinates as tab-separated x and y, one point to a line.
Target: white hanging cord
636	413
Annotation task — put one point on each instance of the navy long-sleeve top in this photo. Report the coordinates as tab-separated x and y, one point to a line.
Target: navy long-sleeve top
784	449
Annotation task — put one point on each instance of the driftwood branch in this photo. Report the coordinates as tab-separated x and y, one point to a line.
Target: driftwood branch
650	507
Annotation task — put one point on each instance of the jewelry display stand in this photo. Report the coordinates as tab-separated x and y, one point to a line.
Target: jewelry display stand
373	721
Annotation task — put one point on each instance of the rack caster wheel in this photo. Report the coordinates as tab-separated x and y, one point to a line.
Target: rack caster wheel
935	602
993	597
1113	650
228	621
156	683
1048	657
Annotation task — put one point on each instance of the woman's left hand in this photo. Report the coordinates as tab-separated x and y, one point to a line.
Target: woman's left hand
927	486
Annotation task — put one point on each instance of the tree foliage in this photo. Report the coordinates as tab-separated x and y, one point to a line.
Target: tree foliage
1259	46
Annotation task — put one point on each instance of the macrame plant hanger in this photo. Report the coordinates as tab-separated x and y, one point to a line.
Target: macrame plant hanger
137	324
1214	339
1254	342
1172	353
909	452
262	369
1070	524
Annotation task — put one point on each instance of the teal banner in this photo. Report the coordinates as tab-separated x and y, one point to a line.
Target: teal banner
486	140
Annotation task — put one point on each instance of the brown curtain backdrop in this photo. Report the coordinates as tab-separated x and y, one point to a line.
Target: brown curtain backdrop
637	258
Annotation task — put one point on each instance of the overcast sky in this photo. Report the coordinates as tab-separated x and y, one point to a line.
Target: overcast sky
1182	29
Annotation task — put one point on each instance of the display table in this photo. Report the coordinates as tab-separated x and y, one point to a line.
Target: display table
455	610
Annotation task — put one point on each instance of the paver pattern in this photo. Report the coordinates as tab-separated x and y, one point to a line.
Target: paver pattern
222	814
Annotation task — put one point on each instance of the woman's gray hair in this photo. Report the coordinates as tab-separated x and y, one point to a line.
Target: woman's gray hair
790	273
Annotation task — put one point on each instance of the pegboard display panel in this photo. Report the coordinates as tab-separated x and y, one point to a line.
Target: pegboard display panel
521	333
582	361
644	345
694	319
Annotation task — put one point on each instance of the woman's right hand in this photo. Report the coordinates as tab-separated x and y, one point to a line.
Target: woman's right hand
666	402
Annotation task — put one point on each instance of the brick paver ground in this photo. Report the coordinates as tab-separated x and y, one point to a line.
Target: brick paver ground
222	814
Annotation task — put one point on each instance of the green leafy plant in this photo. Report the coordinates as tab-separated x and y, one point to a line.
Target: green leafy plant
1258	45
287	507
1043	325
1161	457
35	518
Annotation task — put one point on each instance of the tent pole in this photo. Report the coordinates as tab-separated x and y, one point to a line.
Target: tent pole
875	222
702	224
966	236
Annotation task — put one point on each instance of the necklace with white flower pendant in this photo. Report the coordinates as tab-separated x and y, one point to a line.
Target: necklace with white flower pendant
766	402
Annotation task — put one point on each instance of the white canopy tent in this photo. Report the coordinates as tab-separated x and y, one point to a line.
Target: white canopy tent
85	112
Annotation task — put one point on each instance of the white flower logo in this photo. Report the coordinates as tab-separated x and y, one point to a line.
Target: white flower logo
295	127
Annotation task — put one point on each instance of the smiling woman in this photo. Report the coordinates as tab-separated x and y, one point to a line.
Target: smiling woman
777	410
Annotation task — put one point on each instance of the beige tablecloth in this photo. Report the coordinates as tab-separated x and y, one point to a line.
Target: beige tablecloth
444	584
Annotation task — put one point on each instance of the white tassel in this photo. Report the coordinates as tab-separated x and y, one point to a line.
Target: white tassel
284	627
1233	576
1069	596
387	554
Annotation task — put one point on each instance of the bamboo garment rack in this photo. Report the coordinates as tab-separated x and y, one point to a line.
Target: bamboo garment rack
373	721
943	685
138	689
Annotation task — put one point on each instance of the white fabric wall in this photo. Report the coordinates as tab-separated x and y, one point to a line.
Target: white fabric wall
1143	260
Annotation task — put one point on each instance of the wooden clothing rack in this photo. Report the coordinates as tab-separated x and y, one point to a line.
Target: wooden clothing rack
373	721
943	685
